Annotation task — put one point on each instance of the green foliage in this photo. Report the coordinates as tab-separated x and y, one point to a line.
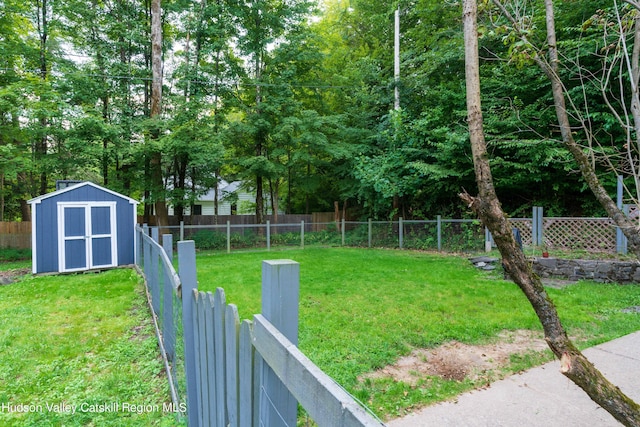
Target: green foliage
14	254
243	239
206	239
300	107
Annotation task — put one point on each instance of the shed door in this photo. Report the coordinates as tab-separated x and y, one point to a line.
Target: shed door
86	235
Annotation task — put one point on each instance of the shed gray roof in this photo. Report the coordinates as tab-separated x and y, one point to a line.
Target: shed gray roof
76	186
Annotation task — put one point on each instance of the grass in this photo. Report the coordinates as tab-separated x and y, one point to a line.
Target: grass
84	340
361	310
87	338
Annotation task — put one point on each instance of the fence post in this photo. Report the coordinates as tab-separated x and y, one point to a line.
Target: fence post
400	233
370	232
534	227
343	231
439	231
540	226
154	278
181	230
146	250
624	243
280	295
302	234
268	235
619	235
188	280
487	240
168	327
228	236
137	241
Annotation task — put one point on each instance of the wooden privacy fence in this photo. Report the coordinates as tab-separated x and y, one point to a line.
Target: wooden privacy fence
248	373
15	235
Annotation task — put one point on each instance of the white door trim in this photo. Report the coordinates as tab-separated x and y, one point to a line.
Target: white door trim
88	236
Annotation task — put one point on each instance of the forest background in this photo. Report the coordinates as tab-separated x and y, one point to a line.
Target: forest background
296	99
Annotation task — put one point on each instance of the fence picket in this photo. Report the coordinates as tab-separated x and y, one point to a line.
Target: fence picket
168	327
201	325
211	359
245	375
232	327
189	283
219	302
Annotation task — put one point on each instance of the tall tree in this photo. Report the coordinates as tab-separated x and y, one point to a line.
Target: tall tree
199	100
44	10
487	206
266	24
155	151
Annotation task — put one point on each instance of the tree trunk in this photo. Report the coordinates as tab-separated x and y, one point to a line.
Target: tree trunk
259	200
487	206
215	198
1	196
41	144
162	215
274	190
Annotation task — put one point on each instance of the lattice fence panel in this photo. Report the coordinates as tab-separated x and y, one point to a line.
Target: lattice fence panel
525	226
590	234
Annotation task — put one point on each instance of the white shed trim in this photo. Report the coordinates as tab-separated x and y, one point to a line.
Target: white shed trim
88	235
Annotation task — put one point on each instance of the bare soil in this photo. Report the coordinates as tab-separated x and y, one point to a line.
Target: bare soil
457	361
9	276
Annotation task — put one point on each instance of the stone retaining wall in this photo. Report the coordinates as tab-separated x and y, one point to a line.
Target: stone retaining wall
606	271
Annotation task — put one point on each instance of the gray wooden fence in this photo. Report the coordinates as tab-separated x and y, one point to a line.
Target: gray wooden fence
248	373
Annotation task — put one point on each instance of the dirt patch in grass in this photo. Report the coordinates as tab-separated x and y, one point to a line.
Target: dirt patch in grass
457	361
9	276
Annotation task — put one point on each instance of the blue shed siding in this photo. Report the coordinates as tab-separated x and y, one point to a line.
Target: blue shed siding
46	233
125	216
46	238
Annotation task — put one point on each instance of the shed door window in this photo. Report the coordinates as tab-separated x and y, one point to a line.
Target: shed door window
87	235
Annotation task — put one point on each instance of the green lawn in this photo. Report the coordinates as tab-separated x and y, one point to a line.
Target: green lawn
85	340
362	309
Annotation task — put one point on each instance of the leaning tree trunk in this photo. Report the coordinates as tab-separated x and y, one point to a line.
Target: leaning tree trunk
487	206
584	164
550	68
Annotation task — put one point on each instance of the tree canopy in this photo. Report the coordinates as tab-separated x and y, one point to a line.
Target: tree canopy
295	99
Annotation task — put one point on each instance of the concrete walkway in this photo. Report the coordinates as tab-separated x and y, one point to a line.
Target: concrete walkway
541	396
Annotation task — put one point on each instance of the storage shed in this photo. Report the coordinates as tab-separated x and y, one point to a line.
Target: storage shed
82	227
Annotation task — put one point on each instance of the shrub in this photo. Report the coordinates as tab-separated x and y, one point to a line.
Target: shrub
207	239
8	254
